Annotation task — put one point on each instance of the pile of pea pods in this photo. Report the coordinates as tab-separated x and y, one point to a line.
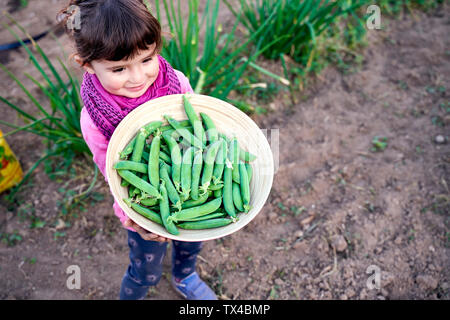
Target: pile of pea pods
186	174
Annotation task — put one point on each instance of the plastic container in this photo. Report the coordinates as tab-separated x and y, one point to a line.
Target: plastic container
10	169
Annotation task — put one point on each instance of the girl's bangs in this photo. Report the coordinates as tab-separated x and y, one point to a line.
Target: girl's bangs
127	45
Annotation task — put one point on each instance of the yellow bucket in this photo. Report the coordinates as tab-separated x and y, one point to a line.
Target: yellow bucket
10	170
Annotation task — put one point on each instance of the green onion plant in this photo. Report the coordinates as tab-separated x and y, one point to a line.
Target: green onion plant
214	67
294	28
58	122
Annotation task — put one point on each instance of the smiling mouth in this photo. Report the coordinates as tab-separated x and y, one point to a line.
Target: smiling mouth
137	88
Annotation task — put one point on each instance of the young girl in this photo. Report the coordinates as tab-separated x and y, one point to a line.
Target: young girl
117	44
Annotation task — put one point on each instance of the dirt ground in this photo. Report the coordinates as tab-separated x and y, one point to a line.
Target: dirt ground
337	210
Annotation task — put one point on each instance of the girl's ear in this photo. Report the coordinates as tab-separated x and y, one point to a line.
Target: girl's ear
87	67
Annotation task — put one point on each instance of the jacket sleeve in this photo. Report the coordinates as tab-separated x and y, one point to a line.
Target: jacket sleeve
98	144
184	82
96	141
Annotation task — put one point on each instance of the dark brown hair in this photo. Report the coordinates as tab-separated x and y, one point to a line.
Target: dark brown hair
110	29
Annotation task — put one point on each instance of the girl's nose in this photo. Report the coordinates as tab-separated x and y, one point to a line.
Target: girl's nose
137	76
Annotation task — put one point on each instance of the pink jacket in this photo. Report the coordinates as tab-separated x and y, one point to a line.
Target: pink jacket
98	144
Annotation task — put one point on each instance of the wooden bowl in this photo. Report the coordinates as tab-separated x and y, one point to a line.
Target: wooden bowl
228	120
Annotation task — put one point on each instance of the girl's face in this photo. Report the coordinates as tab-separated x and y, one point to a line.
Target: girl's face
128	78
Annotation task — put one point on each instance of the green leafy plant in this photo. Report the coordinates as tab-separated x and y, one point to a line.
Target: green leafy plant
351	24
10	239
394	7
58	123
379	144
215	67
23	3
294	28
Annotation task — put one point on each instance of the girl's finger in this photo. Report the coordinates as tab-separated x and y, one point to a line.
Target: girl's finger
144	233
128	223
150	236
155	237
138	228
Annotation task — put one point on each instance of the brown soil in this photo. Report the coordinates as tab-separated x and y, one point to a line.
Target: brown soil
336	208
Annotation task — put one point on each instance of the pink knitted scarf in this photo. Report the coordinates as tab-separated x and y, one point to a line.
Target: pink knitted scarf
107	110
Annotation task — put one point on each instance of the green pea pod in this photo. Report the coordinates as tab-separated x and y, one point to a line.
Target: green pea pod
185	133
152	126
124	183
246	156
176	158
164	156
228	190
219	163
217	214
243	154
195	121
249	168
197	211
165	148
149	202
193	203
211	130
218	193
169	168
164	210
196	173
186	173
237	199
128	149
145	212
153	161
174	197
168	127
175	134
184	142
234	157
145	156
136	192
139	145
213	187
244	186
208	166
131	191
139	183
130	165
205	224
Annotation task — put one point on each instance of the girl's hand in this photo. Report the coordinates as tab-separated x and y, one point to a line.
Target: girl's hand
146	235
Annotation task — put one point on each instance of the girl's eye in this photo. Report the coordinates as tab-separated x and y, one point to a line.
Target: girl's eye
118	70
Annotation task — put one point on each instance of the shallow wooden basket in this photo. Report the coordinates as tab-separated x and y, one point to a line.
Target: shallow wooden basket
228	120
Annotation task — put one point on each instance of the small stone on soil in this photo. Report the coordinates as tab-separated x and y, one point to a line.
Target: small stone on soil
339	243
439	139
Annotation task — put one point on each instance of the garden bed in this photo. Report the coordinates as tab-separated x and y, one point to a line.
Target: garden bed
336	206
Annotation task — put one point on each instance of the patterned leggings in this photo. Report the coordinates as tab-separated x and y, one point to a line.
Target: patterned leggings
146	259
